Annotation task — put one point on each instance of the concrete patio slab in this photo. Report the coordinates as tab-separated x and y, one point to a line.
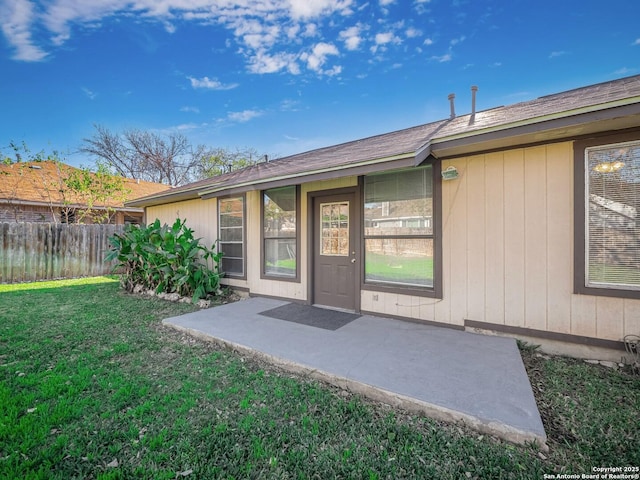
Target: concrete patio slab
443	373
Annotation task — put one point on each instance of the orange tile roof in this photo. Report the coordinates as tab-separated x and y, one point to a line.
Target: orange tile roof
40	183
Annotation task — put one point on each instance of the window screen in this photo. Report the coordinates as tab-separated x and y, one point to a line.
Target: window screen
280	231
398	228
231	235
612	203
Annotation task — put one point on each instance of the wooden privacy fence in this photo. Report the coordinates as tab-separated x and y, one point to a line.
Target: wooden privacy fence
47	251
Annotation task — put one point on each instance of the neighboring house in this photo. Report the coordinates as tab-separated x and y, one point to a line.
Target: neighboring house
537	236
36	192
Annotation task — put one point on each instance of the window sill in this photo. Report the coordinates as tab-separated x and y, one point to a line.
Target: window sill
402	290
607	292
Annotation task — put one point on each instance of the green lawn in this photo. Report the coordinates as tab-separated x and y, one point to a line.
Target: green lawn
93	386
399	269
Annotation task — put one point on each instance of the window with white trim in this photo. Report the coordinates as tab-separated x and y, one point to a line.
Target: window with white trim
612	216
231	235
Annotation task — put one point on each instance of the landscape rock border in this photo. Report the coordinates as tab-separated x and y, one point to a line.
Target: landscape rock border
170	297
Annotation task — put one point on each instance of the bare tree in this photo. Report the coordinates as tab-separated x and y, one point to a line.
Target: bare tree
168	159
111	149
144	155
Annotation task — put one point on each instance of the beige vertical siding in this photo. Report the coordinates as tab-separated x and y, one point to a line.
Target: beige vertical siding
199	215
508	250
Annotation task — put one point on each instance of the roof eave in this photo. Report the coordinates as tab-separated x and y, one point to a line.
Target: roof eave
391	162
556	126
35	203
163	197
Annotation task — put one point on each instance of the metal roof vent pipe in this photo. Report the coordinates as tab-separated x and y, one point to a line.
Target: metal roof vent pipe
451	97
474	89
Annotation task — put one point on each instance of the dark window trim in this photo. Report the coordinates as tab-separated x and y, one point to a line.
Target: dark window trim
244	235
436	290
579	265
263	274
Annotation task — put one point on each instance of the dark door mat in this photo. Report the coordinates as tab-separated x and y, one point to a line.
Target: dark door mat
311	316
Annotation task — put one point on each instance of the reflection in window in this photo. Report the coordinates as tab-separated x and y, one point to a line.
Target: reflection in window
334	231
231	235
398	228
612	209
280	232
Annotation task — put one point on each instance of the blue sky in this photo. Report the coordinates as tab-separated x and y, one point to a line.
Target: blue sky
287	76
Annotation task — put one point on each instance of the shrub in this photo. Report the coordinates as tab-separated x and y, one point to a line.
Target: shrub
166	259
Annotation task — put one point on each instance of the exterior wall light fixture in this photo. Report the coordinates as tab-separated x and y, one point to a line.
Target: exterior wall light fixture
450	173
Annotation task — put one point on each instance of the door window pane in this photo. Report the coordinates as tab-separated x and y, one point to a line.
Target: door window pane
334	229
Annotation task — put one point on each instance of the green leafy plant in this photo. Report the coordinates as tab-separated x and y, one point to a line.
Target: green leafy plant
166	259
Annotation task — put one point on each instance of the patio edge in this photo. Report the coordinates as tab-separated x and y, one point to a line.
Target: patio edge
372	392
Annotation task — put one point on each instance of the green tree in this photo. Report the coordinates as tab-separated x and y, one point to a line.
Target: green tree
96	190
219	161
20	152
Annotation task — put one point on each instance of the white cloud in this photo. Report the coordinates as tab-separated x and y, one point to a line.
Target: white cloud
442	58
263	62
257	35
292	32
624	71
456	41
384	3
91	95
190	109
318	57
427	41
382	40
310	30
556	54
387	37
16	18
421	6
210	84
412	32
187	126
244	116
289	105
257	25
637	42
315	8
351	37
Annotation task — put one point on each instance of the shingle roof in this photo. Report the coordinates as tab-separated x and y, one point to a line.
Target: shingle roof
564	102
409	142
39	183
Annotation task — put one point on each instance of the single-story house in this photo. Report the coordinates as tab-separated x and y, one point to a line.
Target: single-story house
520	220
36	192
